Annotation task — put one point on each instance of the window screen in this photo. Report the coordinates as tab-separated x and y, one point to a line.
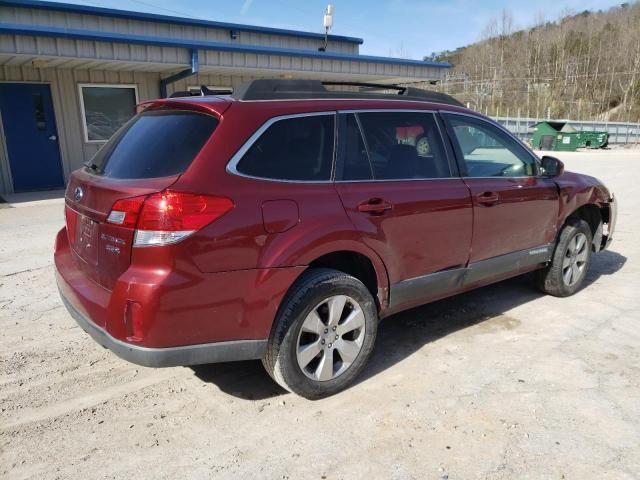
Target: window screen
106	109
403	145
293	149
488	151
155	144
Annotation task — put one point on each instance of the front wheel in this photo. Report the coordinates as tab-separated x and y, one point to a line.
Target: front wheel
323	334
568	268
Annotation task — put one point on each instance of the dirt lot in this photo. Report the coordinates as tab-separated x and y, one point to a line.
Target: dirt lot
498	383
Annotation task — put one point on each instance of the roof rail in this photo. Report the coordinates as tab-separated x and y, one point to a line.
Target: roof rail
202	92
312	89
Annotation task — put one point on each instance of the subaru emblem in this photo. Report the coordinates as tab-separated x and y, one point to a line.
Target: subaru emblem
78	193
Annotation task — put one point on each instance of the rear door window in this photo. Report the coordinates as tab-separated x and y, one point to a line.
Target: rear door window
299	148
155	144
399	145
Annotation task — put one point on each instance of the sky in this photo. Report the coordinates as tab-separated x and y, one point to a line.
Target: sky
399	28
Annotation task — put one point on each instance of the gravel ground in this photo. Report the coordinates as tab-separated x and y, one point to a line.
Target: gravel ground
499	383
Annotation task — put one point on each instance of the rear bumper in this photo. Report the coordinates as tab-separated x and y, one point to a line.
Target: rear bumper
185	317
230	351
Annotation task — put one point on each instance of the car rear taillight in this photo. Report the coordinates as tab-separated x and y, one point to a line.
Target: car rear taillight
125	212
167	217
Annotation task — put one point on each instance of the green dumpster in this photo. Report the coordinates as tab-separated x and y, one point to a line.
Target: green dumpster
561	136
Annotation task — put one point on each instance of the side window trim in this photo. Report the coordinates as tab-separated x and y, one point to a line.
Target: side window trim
451	139
366	145
341	149
460	157
454	170
448	145
232	165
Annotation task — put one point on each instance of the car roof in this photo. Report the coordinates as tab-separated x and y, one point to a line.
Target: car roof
312	93
266	89
219	105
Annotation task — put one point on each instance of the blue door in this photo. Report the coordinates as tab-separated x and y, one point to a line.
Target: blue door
31	136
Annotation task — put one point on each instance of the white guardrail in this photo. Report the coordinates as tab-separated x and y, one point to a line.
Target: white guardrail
619	132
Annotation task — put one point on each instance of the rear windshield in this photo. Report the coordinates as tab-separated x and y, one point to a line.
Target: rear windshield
154	144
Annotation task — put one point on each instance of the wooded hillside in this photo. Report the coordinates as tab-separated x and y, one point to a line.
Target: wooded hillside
583	66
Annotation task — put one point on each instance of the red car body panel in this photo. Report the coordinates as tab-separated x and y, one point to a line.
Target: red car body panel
179	304
576	190
428	228
99	196
226	282
521	213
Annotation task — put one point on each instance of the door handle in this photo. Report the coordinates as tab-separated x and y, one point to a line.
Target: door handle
487	199
375	206
53	138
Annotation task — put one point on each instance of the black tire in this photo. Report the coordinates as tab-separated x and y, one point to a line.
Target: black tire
553	278
308	293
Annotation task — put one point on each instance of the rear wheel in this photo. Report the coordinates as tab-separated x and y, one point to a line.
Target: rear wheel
323	334
568	268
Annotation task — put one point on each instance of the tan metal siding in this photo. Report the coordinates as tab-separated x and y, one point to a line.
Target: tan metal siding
89	49
117	25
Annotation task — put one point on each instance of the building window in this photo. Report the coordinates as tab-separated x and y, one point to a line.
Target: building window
105	108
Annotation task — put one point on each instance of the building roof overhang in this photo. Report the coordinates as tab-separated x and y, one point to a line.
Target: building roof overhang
153	17
77	34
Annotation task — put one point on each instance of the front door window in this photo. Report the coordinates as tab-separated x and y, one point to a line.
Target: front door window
488	152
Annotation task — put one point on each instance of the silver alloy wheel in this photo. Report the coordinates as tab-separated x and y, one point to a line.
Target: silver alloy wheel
575	259
331	338
422	147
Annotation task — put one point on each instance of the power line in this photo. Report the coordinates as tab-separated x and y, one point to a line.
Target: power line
163	8
157	7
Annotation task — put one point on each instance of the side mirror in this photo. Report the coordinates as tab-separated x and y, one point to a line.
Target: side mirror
551	166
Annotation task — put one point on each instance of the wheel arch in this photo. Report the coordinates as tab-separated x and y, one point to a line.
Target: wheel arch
594	215
584	198
359	266
341	250
356	259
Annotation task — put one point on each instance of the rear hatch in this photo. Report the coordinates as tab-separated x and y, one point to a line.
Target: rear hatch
146	156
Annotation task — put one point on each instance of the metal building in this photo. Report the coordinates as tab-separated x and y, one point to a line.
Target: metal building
70	75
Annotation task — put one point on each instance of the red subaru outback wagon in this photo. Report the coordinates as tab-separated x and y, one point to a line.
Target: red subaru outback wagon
284	221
